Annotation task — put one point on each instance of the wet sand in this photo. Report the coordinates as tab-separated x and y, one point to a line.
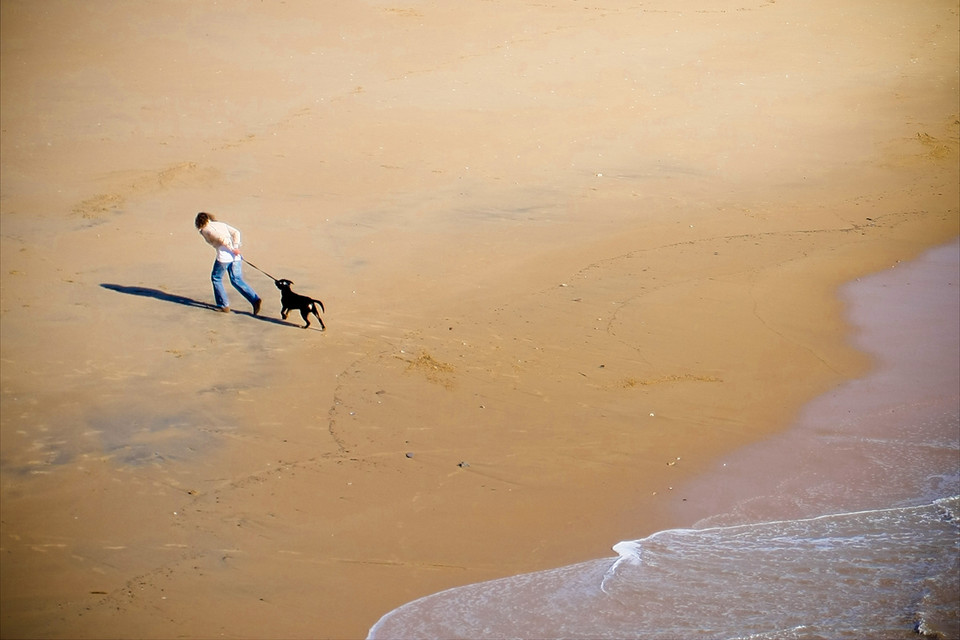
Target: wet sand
585	251
884	440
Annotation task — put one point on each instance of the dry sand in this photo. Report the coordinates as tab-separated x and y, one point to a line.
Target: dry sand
564	243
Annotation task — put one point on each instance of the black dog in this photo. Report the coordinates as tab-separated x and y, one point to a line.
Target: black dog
290	301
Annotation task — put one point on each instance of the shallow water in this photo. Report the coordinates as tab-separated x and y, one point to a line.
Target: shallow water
846	526
879	574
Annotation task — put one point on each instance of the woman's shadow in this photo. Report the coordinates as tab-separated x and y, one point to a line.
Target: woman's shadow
156	294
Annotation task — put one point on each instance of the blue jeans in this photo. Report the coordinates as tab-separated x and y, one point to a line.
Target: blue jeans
235	272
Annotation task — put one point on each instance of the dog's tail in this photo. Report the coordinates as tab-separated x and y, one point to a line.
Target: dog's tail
320	302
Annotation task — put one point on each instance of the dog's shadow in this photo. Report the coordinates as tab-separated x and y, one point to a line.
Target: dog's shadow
157	294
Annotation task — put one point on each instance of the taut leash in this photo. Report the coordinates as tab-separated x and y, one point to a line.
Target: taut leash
259	269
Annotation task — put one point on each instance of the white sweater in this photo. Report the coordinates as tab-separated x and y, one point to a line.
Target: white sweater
222	237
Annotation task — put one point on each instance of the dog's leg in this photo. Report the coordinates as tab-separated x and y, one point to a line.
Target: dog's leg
314	307
306	317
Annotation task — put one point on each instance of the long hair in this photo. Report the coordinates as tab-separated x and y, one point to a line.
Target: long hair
202	219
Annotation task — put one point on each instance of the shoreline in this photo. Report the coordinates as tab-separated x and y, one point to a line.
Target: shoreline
857	452
560	281
872	449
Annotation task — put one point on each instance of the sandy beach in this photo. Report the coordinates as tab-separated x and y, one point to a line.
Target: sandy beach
570	256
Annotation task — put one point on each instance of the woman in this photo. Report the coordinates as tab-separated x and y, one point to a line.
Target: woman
226	240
